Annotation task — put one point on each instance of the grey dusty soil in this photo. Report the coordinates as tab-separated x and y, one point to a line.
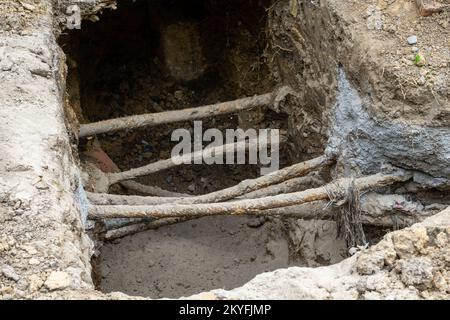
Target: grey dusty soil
212	253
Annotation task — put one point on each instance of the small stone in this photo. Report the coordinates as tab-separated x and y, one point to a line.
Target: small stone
35	282
17	205
256	222
412	40
272	248
9	273
414	49
428	7
27	6
179	95
441	240
352	251
33	261
57	280
147	155
168	179
422	80
4	246
11	241
30	250
416	272
391	29
41	186
106	270
191	188
6	290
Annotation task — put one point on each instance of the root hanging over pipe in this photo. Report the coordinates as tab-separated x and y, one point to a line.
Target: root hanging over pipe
153	119
332	191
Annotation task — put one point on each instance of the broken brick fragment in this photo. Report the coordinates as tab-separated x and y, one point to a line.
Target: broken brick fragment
428	7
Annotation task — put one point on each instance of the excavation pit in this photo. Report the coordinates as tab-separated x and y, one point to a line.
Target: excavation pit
378	113
157	56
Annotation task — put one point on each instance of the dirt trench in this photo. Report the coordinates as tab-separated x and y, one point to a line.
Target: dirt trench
154	56
357	97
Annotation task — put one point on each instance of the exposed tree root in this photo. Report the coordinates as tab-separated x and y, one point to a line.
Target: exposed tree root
292	185
152	119
335	190
289	186
276	177
151	190
240	189
392	211
207	153
113	199
140	227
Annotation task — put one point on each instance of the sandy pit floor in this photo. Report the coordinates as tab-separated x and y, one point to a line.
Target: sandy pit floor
213	252
191	257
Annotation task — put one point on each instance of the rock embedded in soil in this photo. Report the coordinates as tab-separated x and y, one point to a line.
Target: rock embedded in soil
412	40
10	273
58	280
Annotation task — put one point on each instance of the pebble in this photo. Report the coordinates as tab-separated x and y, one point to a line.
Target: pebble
422	80
29	250
9	273
35	282
17	205
179	95
191	187
105	271
41	185
169	179
257	222
414	49
28	6
412	40
58	280
4	246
